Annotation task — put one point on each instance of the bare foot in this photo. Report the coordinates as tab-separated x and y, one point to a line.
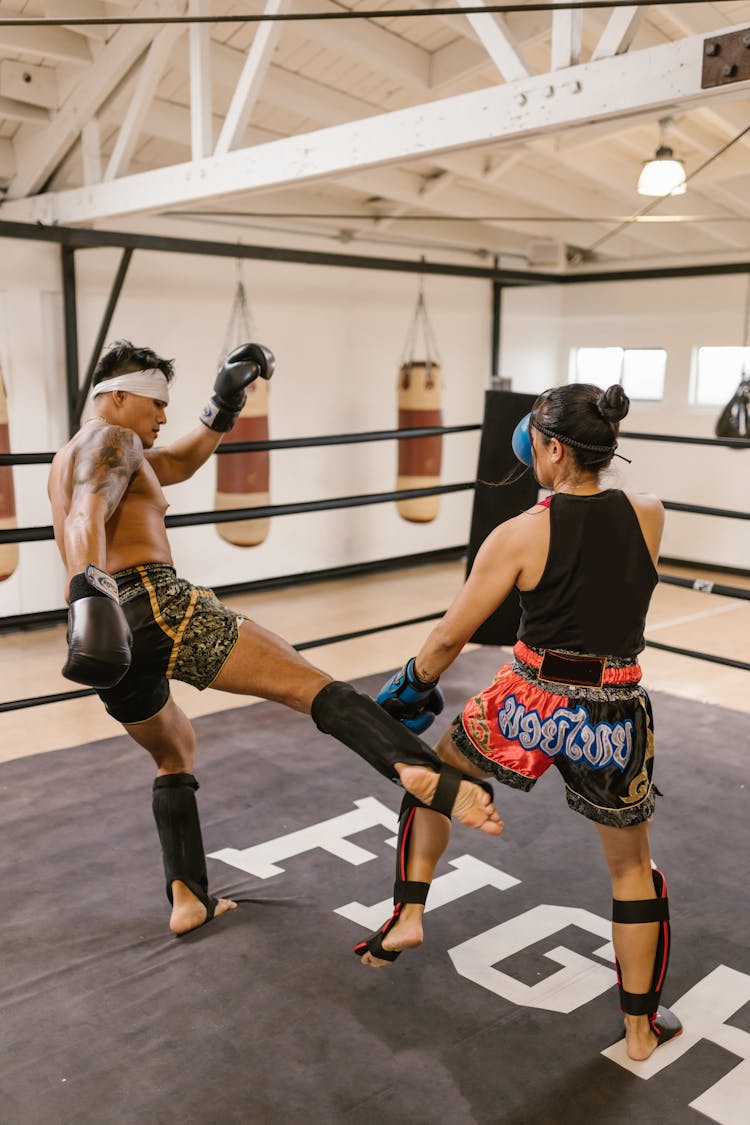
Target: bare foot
472	806
406	933
188	912
640	1039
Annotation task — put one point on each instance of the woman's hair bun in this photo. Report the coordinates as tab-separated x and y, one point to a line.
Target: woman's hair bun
613	404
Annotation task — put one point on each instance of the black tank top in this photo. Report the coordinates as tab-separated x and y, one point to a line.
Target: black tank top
597	582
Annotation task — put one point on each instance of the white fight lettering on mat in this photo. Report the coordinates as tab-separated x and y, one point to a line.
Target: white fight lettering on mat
567	732
704	1012
470	875
578	981
329	835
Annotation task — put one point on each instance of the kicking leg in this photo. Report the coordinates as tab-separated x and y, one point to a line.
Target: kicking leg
422	838
641	937
170	740
265	665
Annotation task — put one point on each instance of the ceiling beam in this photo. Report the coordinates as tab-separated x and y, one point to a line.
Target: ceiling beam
38	152
149	77
655	79
619	33
201	126
46	43
250	81
497	40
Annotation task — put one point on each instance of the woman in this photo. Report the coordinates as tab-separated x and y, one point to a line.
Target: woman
584	562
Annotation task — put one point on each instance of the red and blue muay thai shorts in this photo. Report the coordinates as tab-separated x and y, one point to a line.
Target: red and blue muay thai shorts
587	715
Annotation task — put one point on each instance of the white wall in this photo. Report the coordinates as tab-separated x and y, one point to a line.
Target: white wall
337	335
542	325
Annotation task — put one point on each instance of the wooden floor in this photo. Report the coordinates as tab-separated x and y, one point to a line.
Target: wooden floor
703	622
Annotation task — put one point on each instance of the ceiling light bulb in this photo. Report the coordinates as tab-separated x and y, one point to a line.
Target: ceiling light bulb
663	175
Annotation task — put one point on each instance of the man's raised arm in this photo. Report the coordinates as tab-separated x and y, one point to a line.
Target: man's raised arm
178	461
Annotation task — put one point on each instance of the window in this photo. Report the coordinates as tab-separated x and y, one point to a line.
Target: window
717	373
640	370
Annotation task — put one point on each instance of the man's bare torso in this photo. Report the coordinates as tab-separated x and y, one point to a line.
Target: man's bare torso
135	531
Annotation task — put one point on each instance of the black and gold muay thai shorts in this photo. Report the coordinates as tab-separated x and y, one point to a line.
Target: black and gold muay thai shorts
587	715
180	632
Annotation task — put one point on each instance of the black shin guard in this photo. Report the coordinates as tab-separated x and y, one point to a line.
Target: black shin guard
404	890
179	828
663	1022
368	730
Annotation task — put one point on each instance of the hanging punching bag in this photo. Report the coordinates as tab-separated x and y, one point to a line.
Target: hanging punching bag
242	479
419	406
8	551
419	459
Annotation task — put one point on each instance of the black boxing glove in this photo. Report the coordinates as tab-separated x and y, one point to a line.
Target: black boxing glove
99	637
242	367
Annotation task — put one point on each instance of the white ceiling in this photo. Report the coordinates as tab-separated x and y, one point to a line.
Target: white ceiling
477	134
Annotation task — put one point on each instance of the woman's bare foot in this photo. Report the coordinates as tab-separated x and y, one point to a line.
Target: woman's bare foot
639	1038
406	933
188	912
472	806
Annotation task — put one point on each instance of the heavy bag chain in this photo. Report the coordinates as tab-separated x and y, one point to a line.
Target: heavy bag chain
240	329
420	319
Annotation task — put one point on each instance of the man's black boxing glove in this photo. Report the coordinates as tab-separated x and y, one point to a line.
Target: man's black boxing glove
99	637
242	367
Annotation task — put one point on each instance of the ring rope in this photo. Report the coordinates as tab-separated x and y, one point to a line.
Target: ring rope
193	519
383	435
40	700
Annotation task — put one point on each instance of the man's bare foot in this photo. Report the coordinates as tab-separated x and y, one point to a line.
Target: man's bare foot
472	806
188	912
639	1038
406	933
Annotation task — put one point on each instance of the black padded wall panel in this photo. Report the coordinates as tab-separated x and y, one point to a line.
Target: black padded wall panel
503	410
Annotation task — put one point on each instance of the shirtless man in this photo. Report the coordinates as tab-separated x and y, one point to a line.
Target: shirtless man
133	624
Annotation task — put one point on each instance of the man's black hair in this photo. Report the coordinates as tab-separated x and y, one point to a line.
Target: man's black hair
123	354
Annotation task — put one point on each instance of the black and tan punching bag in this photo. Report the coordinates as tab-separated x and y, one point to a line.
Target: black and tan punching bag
242	479
419	406
419	459
8	551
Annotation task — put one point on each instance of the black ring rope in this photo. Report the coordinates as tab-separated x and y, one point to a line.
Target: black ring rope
382	435
59	697
705	586
731	443
285	443
700	655
344	14
230	515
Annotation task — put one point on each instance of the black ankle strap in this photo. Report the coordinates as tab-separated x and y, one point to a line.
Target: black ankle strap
410	891
449	780
639	1003
640	910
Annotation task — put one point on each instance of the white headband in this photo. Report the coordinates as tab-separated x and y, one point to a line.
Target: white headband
150	383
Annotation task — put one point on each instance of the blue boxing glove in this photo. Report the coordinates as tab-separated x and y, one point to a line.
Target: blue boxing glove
521	441
410	700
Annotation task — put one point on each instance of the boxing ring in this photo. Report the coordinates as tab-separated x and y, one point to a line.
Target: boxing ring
507	1014
501	509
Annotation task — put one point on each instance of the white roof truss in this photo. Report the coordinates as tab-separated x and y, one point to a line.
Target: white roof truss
38	154
652	80
140	101
496	38
619	33
201	125
251	79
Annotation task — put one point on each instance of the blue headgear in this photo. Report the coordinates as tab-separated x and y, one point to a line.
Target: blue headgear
522	448
521	441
